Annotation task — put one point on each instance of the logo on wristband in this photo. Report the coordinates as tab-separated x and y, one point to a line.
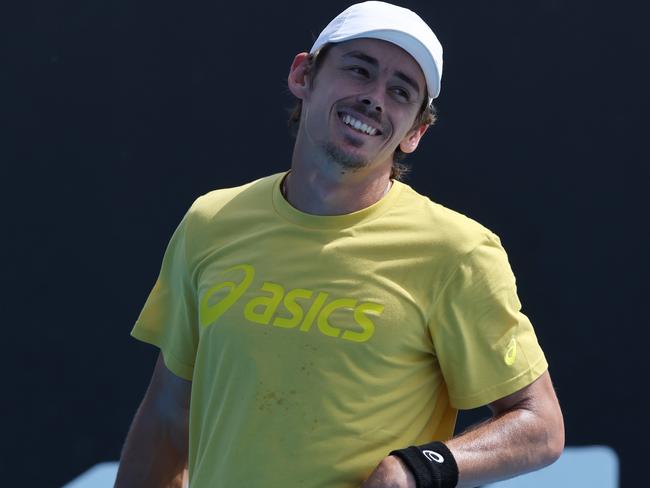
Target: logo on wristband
433	456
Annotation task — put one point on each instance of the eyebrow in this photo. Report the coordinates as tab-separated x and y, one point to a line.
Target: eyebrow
372	61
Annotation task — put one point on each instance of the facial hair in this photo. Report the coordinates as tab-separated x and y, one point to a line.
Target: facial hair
343	158
348	159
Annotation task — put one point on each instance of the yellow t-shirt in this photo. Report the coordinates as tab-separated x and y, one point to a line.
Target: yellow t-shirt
317	344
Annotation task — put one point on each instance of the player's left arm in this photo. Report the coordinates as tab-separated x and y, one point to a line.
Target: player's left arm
525	433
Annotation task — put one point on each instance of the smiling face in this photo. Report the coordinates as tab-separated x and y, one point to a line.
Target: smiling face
362	104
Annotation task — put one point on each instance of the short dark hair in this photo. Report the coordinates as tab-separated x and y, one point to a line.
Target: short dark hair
427	114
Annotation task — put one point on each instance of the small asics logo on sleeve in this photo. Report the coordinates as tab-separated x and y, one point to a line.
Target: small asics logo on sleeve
433	456
511	352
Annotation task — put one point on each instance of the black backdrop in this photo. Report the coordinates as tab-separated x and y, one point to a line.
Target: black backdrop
117	114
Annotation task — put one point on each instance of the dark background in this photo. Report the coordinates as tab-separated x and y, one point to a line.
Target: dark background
118	114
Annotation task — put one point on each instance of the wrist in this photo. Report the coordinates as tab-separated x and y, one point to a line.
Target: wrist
432	465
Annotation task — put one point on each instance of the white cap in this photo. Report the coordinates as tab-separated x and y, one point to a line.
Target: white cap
401	26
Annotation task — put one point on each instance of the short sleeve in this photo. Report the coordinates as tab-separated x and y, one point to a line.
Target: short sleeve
168	319
485	345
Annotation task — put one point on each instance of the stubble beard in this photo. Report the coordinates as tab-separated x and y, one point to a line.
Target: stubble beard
345	159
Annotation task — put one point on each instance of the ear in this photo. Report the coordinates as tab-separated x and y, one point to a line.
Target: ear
412	139
299	75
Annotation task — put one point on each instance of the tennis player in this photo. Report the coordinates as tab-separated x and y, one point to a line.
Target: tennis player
321	327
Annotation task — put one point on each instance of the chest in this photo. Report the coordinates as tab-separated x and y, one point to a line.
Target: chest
350	293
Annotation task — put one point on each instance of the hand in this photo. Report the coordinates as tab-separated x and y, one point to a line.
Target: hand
391	473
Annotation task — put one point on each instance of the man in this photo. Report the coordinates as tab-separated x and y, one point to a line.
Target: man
328	322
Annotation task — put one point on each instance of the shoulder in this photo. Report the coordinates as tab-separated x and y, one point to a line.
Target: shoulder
451	231
209	205
212	213
218	212
229	204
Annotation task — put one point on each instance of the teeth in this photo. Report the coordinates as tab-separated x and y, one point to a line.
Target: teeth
360	126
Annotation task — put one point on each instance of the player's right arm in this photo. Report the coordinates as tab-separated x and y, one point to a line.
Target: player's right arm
155	451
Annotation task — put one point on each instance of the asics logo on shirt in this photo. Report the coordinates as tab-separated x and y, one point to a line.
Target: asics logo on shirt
305	307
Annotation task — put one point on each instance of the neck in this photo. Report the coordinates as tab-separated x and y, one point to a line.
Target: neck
329	189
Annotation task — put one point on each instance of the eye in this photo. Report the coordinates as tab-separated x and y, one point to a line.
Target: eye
359	70
401	92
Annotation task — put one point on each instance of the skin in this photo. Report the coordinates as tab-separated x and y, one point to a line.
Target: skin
335	170
525	433
156	447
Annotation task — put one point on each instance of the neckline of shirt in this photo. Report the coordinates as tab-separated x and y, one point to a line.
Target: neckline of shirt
331	222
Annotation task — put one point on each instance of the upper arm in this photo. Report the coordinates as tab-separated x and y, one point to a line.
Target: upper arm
485	346
538	396
168	394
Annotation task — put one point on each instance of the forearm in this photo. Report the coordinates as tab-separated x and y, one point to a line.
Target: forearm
513	443
526	433
154	454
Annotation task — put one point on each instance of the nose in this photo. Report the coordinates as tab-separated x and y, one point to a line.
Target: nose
373	104
373	99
